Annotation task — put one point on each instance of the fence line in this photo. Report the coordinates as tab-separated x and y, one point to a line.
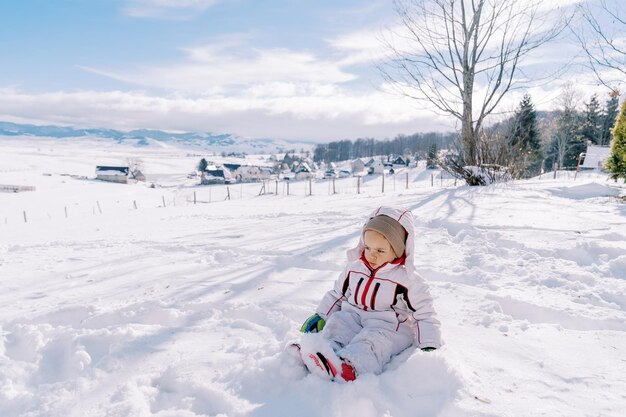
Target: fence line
219	193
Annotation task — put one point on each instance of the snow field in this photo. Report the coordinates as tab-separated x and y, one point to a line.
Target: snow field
185	310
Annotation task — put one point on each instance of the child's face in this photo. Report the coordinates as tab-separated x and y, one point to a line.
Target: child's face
377	249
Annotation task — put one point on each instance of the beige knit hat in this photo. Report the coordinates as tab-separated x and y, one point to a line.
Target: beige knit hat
391	230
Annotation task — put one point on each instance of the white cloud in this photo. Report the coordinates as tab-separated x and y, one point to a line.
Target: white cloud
217	67
360	47
317	114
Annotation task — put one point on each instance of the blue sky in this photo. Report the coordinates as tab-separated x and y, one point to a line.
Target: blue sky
51	42
287	69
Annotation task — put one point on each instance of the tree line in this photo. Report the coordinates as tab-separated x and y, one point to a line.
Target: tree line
531	141
417	144
524	144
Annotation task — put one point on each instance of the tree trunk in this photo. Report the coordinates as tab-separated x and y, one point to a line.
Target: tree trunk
467	124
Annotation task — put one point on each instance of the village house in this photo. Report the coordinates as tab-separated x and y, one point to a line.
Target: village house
596	157
232	167
399	161
216	175
112	174
376	167
303	171
357	167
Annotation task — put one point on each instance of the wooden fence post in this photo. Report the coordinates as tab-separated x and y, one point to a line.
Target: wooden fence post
432	180
227	193
383	190
65	211
135	204
407	180
163	198
580	158
99	209
194	198
358	184
25	219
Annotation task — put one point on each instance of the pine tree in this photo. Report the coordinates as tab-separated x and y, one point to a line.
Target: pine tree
431	161
591	127
524	136
609	115
202	165
616	163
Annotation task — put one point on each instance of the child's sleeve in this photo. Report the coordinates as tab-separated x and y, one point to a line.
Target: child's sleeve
331	301
428	333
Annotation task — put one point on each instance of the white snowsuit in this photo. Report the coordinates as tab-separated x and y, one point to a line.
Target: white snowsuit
372	315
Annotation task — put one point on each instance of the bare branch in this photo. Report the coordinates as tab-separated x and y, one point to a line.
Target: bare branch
596	37
464	55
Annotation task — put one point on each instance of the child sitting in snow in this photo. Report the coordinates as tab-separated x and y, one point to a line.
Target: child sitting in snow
379	305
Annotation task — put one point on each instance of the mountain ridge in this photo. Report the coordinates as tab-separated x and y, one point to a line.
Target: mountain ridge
145	137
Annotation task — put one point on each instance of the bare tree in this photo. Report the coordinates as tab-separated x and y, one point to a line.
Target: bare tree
602	35
134	163
461	57
564	131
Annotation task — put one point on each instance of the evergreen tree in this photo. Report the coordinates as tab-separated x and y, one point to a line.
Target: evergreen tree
320	152
202	165
431	161
577	143
524	136
616	164
609	115
591	127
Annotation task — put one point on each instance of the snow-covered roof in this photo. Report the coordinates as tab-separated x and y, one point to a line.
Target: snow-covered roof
304	167
112	170
247	169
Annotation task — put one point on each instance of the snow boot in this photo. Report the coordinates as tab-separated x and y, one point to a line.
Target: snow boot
294	356
333	368
347	371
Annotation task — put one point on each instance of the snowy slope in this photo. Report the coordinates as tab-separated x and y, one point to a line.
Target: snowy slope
184	310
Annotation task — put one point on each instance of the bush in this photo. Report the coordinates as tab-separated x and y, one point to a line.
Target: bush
616	163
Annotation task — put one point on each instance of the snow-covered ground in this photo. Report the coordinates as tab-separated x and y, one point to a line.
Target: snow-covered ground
184	310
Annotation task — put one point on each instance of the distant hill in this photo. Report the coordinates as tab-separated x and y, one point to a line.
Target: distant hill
145	137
